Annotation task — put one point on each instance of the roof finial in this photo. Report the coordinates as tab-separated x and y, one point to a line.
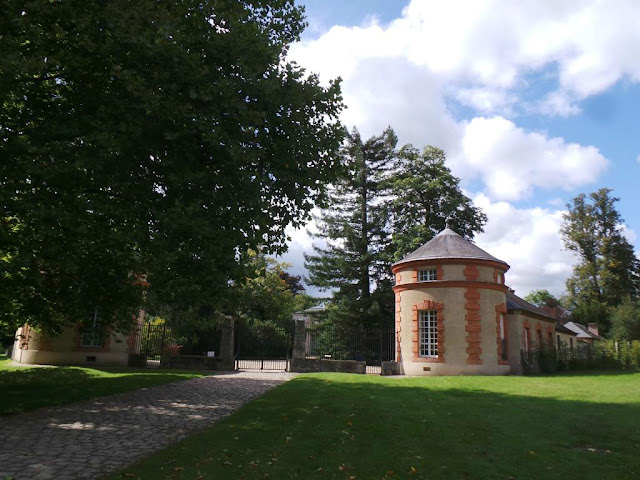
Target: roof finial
448	223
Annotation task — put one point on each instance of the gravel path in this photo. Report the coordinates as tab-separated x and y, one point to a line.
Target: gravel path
86	439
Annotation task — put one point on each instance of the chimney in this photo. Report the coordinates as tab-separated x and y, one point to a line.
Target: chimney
593	329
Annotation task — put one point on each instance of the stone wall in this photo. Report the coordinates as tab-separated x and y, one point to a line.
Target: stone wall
392	368
307	365
189	362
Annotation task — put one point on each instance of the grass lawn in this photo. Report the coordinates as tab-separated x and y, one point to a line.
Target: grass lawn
339	426
26	388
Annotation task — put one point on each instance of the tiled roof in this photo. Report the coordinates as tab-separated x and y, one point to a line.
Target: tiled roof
448	244
514	302
581	330
560	328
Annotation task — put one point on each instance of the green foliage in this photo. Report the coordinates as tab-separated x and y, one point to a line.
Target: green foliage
602	355
545	301
151	137
354	227
608	270
427	198
625	320
389	204
264	297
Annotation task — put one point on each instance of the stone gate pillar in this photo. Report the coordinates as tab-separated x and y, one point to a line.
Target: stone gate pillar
299	335
226	361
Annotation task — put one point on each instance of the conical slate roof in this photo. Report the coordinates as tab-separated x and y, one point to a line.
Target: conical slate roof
448	244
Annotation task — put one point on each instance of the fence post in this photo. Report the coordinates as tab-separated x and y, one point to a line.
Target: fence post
299	339
148	333
226	344
164	329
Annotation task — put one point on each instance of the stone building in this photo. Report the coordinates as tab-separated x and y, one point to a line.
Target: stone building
455	314
84	343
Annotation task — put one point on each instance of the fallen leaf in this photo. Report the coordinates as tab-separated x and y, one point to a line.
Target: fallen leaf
178	469
413	470
390	473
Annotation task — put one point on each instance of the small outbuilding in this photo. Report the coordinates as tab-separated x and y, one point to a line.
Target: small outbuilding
455	315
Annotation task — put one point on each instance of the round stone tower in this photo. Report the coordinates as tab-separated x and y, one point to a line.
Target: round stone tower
451	309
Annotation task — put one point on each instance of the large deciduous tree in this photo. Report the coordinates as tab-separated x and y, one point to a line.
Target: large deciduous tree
548	303
150	137
353	225
427	198
608	270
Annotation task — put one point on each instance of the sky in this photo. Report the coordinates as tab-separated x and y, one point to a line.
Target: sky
534	102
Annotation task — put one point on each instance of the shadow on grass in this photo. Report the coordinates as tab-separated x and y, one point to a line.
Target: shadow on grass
24	389
342	427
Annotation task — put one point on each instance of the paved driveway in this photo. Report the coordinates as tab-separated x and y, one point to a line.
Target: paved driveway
86	439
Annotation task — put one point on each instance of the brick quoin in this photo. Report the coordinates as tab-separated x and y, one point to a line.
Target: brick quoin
473	325
398	329
551	330
439	308
439	272
471	272
501	308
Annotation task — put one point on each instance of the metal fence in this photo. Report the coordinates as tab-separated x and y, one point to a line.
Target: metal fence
156	340
262	347
372	345
604	354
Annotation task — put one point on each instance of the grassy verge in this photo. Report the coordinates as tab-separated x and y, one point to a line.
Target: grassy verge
24	388
335	426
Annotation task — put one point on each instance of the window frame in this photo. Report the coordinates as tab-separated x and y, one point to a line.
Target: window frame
93	333
427	274
428	333
503	337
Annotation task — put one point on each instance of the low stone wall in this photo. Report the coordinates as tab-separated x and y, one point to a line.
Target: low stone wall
392	368
189	362
307	365
137	360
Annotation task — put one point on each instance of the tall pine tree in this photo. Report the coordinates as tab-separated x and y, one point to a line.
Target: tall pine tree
354	226
388	205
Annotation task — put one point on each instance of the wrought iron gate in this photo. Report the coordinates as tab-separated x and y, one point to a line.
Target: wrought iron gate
262	347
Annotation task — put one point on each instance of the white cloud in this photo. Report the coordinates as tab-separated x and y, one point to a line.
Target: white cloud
530	242
478	53
512	161
527	239
629	234
494	43
486	100
557	103
638	159
497	58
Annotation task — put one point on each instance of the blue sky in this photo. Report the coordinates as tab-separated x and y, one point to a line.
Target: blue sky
533	102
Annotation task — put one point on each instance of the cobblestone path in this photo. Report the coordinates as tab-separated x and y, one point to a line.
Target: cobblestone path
86	439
